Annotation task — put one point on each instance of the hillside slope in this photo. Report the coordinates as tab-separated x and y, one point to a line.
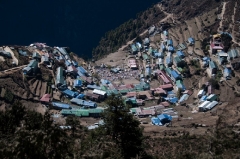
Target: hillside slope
176	11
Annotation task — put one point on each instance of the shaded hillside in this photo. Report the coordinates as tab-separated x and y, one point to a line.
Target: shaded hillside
180	10
114	39
186	9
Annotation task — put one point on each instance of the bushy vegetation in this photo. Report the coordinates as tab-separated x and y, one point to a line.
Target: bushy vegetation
8	96
214	83
227	41
205	45
27	134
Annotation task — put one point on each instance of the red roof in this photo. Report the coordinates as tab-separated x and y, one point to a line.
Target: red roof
165	104
132	61
129	86
188	92
210	89
72	69
166	86
121	87
139	101
160	91
217	46
164	76
131	94
92	95
45	98
147	112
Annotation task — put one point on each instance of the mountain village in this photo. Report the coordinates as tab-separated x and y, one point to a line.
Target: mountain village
152	79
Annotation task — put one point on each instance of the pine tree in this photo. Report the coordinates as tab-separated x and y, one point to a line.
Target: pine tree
122	127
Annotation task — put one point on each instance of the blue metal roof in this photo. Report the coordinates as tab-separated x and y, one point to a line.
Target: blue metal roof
227	72
134	48
168	60
80	96
175	74
70	93
191	40
203	98
172	100
165	118
146	41
80	73
81	69
180	54
165	33
62	50
169	42
103	81
184	97
84	102
158	54
163	47
93	87
206	59
61	105
170	92
77	83
156	121
75	63
67	63
170	48
23	53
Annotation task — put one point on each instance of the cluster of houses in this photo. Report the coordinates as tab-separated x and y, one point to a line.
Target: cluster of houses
168	69
229	60
85	93
207	98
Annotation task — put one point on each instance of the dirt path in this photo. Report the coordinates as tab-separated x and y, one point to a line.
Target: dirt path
11	70
168	14
223	12
7	49
124	46
233	37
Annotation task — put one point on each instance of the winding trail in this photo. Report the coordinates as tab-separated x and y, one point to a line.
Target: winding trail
11	70
233	22
222	13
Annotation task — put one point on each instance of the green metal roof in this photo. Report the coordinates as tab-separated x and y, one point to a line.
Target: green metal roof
168	70
133	110
162	67
77	112
145	56
179	84
150	51
60	78
97	110
114	91
177	59
35	54
180	69
212	64
123	91
104	88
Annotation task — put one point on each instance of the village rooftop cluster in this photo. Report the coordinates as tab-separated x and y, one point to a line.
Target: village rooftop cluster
87	86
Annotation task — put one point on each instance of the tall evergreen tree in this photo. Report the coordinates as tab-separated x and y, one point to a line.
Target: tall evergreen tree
122	127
